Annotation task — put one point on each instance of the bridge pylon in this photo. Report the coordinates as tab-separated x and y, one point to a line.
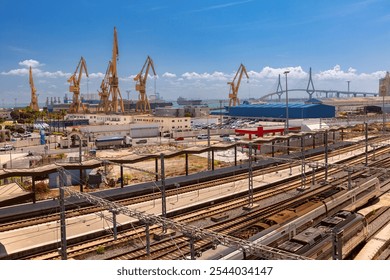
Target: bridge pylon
310	86
279	89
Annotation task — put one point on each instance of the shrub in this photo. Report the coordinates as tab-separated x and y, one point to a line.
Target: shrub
100	250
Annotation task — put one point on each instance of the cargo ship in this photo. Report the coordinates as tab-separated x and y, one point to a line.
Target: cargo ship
184	101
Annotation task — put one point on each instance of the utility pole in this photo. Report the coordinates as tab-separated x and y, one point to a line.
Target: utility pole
208	153
61	176
286	126
326	154
383	114
220	111
250	181
366	141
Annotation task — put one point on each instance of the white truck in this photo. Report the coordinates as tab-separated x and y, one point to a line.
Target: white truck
113	142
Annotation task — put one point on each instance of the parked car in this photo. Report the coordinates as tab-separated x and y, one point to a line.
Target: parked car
224	135
229	139
7	148
202	136
179	138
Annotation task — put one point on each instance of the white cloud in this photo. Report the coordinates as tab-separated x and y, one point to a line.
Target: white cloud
36	72
55	74
220	76
96	75
273	73
169	75
16	72
336	73
30	62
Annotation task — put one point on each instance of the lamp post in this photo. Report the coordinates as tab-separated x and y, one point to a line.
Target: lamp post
286	125
10	157
348	86
128	99
383	114
220	111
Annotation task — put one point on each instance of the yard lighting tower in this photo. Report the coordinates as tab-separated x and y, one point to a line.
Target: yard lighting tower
286	125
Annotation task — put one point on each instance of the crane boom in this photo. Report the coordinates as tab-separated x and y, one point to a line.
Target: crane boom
143	104
74	87
34	98
234	86
114	91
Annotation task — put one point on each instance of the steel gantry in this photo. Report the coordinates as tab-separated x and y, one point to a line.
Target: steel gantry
261	251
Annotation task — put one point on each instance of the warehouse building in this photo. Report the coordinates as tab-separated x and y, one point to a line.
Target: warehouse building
278	111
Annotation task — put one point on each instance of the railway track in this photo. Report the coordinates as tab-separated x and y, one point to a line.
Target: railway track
221	209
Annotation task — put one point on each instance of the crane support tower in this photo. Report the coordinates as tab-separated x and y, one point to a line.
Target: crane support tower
114	92
104	105
235	85
143	104
34	98
74	87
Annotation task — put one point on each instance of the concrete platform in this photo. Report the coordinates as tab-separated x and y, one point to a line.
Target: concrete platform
12	193
375	245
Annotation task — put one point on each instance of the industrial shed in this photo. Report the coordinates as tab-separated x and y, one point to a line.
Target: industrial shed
278	111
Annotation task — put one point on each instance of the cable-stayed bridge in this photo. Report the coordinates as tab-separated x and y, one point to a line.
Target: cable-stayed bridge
320	93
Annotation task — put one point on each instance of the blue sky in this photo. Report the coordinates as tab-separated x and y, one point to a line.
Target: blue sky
196	46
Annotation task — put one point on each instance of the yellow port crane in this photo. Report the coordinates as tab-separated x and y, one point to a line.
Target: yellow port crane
143	104
114	91
74	87
34	97
104	105
233	94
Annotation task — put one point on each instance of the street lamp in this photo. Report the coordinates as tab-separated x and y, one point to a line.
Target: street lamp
286	125
348	86
383	114
10	157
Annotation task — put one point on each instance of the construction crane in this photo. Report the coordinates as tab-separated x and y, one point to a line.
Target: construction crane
104	105
74	87
234	86
34	98
143	104
114	91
